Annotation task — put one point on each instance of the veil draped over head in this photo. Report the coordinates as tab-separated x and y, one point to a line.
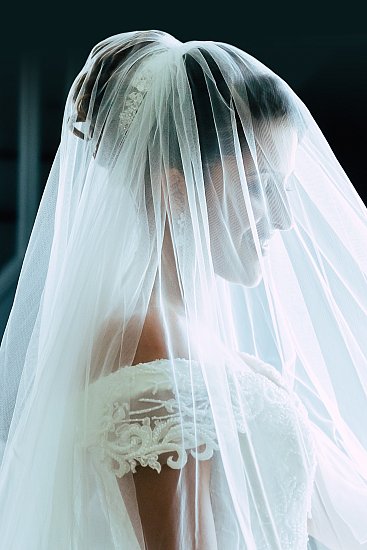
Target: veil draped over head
195	227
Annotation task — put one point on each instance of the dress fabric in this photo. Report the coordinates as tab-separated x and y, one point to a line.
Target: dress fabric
123	432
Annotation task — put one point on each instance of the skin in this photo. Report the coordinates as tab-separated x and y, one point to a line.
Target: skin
159	495
161	498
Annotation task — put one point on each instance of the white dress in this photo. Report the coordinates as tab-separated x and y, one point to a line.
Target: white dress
120	436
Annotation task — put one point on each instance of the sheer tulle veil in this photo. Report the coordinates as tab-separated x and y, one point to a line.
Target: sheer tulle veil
192	184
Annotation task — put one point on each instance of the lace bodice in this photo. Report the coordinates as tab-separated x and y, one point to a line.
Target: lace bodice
126	430
141	411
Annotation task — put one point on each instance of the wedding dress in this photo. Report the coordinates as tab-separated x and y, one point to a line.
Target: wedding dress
185	362
123	432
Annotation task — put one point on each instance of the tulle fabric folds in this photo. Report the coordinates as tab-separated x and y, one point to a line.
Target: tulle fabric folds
192	303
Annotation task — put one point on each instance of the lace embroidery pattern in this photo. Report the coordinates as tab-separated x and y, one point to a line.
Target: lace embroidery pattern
124	432
129	436
136	413
139	88
261	396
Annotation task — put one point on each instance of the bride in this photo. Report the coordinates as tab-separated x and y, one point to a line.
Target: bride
184	365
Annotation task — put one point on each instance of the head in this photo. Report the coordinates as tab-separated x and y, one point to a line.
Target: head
248	132
246	129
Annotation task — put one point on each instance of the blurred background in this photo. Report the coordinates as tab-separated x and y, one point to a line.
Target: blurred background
320	50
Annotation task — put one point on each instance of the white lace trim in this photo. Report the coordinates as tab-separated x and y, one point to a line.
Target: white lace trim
138	89
128	437
124	432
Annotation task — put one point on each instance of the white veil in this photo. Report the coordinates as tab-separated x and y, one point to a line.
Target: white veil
177	163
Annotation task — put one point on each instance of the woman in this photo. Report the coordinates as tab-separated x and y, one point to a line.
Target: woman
190	369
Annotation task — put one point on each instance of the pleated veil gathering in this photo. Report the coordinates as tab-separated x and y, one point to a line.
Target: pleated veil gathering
193	292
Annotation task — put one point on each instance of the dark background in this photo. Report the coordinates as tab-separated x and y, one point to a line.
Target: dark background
319	49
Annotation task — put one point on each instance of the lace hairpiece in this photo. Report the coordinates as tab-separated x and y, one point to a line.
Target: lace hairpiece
133	101
139	88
